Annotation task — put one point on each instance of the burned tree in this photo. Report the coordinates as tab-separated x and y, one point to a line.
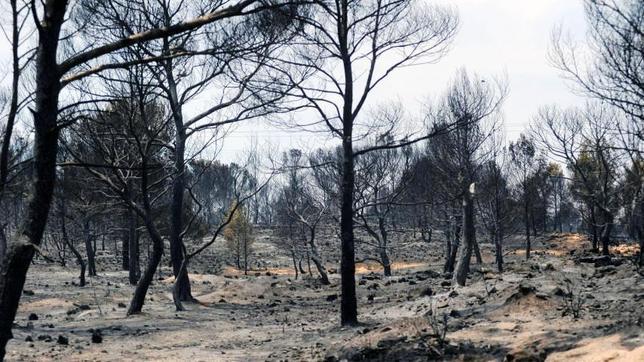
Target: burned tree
351	36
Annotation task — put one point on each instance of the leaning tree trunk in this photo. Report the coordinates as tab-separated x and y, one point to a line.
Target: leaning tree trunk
15	264
319	265
138	299
469	235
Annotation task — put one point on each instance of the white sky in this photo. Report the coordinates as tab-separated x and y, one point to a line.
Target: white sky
496	37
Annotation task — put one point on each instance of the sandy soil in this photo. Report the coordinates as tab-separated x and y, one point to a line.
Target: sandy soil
521	314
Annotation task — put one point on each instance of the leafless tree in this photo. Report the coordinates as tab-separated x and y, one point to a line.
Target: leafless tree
472	105
609	67
340	40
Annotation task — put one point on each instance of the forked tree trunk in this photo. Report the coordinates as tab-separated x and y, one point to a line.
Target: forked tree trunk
154	259
469	235
20	252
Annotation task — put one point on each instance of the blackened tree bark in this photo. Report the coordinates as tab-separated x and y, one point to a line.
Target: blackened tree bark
125	243
134	268
21	251
89	247
68	242
469	235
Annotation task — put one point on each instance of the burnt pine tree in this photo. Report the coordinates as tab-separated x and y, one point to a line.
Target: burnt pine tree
372	38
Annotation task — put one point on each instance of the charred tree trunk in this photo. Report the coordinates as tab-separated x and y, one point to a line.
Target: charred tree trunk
125	246
134	265
606	231
526	217
498	250
14	266
68	242
154	258
245	256
3	242
349	304
294	258
456	243
469	235
384	257
477	253
178	183
91	253
315	256
593	227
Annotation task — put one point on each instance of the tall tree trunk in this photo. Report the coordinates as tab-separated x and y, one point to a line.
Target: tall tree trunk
348	303
91	260
178	183
469	235
15	264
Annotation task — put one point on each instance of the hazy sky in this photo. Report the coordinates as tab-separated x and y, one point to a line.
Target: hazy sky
496	37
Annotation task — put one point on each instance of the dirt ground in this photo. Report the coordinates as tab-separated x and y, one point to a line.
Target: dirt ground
526	313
